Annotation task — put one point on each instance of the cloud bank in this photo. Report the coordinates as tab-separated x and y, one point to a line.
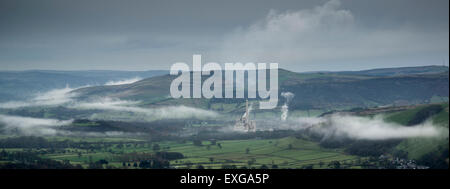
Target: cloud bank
375	128
168	112
326	34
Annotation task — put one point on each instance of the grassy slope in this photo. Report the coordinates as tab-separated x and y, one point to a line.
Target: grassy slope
417	147
264	151
327	90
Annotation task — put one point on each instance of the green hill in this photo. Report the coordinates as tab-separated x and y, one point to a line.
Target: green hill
425	149
313	91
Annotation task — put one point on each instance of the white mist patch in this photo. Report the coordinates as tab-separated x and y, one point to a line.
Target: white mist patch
371	128
50	98
169	112
31	126
123	82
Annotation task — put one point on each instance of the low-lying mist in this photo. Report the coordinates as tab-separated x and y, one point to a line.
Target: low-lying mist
355	127
30	126
167	112
336	125
375	128
67	98
52	97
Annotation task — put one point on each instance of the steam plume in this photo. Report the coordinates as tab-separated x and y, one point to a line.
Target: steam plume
285	108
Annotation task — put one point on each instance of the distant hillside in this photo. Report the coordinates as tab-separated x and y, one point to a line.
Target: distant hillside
331	90
400	71
16	85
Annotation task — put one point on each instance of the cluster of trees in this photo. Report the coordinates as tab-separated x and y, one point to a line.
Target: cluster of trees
435	160
371	148
157	160
424	114
154	164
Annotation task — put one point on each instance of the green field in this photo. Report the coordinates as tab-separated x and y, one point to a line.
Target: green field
287	152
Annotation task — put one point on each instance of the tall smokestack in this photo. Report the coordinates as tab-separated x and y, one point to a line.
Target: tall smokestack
246	110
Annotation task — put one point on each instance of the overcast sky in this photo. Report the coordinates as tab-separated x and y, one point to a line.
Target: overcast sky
301	35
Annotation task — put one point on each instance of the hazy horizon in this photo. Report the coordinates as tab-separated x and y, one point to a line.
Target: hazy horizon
100	70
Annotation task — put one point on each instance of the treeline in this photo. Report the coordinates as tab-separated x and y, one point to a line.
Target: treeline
29	160
436	160
363	148
214	134
41	142
158	160
424	114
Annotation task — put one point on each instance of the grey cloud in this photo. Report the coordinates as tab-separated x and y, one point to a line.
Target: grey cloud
138	35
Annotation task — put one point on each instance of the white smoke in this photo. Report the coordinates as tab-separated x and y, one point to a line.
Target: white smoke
285	108
288	96
123	82
31	126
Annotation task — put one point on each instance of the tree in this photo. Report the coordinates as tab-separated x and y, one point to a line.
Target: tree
251	162
145	164
103	161
321	163
189	164
335	165
197	142
156	147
